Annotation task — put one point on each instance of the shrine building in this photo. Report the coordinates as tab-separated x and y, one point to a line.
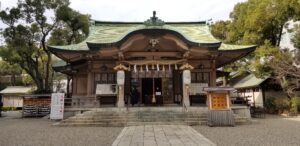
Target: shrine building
163	63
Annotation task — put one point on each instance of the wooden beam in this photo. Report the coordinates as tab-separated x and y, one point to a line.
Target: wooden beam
178	42
146	54
129	42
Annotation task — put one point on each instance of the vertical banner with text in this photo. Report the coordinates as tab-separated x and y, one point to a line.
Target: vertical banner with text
57	106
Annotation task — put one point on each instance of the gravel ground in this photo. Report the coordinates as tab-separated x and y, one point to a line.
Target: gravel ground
39	132
271	131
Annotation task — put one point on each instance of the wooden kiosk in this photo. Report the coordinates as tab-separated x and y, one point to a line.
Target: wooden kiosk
220	113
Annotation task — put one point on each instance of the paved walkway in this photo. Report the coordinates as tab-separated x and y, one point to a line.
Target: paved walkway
161	135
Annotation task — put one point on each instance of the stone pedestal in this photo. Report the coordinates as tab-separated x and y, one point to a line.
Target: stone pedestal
120	102
186	99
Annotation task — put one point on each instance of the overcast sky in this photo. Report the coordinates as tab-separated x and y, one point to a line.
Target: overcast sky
140	10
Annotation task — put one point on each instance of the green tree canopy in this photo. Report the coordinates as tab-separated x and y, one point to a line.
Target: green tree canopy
74	29
27	33
255	21
259	22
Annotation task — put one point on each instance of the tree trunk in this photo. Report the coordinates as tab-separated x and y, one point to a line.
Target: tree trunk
280	35
48	63
13	79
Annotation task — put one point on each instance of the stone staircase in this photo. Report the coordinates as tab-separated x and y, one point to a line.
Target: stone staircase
139	116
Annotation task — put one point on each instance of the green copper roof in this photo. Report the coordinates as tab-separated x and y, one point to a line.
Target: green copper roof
227	47
113	32
57	62
249	81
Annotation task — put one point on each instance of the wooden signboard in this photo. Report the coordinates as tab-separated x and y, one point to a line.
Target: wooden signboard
218	97
219	101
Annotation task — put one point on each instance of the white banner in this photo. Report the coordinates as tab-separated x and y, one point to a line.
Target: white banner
57	106
197	88
102	89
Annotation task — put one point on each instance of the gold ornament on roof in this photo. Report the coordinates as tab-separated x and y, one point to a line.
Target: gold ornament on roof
120	67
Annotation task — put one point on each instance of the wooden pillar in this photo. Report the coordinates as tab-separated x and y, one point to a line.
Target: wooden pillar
228	100
213	73
68	86
89	79
225	81
74	84
253	96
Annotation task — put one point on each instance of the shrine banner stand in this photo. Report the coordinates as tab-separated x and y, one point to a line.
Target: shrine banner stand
220	113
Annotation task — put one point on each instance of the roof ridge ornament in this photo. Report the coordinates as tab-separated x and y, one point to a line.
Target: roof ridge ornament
154	21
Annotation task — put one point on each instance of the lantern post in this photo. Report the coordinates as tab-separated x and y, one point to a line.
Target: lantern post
186	80
120	82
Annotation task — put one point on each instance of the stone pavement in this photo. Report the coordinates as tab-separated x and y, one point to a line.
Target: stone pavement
161	135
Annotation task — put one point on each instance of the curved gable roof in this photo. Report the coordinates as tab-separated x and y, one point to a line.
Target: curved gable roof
113	32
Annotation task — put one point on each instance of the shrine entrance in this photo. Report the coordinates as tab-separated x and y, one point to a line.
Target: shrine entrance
155	88
152	91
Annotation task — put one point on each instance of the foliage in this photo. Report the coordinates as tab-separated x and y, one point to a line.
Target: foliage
295	104
255	21
74	29
261	61
261	22
220	29
27	80
282	104
27	33
12	72
277	105
9	69
270	104
285	71
296	37
9	108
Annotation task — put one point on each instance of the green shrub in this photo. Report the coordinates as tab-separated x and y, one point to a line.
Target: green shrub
270	104
277	105
295	104
282	104
9	108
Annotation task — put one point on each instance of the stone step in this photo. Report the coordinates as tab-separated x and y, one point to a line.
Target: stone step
154	123
132	120
92	124
121	124
138	116
143	115
191	123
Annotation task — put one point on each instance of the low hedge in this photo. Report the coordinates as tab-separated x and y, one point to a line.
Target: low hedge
9	108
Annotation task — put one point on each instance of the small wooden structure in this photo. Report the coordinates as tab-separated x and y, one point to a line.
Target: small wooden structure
11	96
36	105
219	113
